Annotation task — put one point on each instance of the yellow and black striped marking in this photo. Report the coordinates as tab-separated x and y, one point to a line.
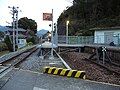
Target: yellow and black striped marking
64	72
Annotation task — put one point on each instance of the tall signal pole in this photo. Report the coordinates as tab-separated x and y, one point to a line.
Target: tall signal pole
17	27
14	24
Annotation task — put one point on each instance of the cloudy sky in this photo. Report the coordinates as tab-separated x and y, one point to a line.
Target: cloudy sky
33	9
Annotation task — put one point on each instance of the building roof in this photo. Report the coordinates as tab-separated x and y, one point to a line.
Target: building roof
106	28
19	29
42	32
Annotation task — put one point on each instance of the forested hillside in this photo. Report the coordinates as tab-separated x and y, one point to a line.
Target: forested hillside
86	14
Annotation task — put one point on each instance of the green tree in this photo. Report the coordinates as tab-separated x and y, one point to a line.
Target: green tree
86	14
1	34
8	43
27	24
31	39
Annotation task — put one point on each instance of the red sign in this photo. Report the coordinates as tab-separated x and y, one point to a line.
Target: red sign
47	16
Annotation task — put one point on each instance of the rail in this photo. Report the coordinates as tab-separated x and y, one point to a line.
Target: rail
15	60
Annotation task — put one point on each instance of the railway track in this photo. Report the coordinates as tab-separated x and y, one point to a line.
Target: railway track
13	61
17	61
57	58
108	66
19	57
94	71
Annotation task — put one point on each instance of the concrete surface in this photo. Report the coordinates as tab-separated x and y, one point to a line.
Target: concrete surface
27	80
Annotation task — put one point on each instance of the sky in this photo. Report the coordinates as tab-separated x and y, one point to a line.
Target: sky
33	9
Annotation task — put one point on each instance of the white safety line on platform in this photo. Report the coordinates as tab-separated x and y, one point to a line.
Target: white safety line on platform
31	71
36	88
3	74
102	83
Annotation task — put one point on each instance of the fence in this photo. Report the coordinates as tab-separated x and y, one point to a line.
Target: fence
99	39
76	39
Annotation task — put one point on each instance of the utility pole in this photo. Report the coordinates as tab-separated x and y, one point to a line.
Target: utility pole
56	35
17	27
52	38
14	25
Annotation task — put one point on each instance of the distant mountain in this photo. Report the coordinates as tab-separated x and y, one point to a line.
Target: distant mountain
42	32
3	28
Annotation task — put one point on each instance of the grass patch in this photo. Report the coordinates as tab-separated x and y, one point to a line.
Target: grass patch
3	52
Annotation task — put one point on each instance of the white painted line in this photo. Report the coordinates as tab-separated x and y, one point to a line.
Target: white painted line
31	71
3	74
36	88
52	63
101	83
3	69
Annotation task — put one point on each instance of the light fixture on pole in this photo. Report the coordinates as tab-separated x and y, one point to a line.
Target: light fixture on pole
67	23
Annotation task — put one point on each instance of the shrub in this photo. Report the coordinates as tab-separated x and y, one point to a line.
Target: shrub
3	47
8	43
29	43
32	39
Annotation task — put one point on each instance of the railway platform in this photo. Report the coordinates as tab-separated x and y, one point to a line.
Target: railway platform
27	77
28	80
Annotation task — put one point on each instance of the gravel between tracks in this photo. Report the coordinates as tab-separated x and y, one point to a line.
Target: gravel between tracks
93	72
